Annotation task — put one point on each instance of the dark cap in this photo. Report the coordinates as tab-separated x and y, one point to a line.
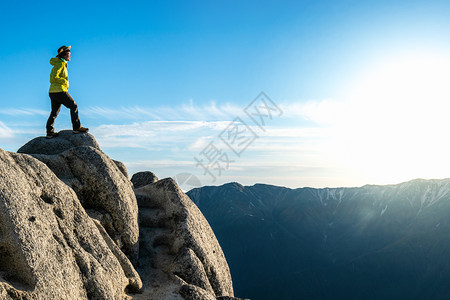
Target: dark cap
63	49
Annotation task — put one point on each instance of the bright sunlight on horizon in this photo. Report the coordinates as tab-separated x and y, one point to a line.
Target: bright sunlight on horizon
392	123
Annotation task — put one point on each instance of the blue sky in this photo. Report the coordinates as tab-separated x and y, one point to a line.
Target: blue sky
360	84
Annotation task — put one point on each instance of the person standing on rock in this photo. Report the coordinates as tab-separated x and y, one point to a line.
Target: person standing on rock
59	85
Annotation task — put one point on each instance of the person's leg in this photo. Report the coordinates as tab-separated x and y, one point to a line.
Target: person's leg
56	107
68	102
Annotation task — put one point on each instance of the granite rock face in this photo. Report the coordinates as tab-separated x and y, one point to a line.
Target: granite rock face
66	140
141	179
177	241
69	229
49	247
99	183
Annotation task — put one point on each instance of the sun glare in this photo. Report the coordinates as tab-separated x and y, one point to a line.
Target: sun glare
394	123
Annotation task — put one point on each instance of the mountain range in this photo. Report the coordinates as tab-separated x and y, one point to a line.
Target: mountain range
370	242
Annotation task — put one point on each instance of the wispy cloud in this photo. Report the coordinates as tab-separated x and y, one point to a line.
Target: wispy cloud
194	136
320	111
152	128
5	131
121	113
23	112
186	111
156	134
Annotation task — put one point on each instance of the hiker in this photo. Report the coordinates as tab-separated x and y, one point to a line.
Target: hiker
59	85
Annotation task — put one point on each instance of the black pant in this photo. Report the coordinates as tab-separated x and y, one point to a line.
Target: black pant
65	99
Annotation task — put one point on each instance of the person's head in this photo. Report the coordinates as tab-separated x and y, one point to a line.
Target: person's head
64	52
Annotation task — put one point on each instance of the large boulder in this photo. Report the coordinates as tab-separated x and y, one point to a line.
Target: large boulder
69	229
49	247
102	187
178	243
143	178
64	141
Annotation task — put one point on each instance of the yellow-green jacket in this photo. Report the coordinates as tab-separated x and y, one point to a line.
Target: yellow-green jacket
59	78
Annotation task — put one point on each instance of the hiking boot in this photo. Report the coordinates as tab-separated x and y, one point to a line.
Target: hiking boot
81	129
51	134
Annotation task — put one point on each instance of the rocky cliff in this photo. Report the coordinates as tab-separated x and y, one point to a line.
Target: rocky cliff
73	226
